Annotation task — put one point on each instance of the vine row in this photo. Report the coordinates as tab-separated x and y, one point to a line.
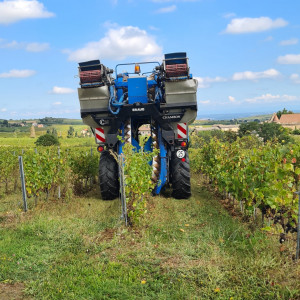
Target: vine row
47	170
264	176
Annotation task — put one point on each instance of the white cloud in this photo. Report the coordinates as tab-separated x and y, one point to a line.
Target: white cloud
3	109
201	84
229	15
205	82
249	75
54	111
153	28
269	98
57	103
158	58
17	74
109	25
12	11
205	102
166	1
161	1
289	59
61	90
30	47
289	42
12	44
295	78
37	47
250	25
268	39
167	9
118	44
231	99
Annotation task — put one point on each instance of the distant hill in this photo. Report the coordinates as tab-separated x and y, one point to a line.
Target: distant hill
56	121
73	122
230	119
259	117
236	116
49	121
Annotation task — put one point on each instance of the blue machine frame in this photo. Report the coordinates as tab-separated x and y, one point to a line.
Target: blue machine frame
135	99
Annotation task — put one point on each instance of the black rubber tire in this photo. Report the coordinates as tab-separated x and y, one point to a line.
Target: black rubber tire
180	176
108	176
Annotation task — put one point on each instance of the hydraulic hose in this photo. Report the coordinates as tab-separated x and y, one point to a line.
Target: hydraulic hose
114	103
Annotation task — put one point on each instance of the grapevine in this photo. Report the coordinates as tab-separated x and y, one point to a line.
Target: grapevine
47	169
264	177
8	169
138	180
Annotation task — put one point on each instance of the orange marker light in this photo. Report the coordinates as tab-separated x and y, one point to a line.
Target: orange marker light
137	69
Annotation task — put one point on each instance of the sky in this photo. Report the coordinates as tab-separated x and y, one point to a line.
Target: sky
244	54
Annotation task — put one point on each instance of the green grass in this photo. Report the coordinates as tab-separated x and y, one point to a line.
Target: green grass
296	138
184	249
73	121
62	130
27	142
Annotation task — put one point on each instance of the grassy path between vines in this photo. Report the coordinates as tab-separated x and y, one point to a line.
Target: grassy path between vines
185	249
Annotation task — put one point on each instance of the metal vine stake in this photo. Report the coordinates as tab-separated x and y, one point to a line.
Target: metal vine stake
298	227
122	188
23	183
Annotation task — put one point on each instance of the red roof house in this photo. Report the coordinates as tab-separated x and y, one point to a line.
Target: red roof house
287	120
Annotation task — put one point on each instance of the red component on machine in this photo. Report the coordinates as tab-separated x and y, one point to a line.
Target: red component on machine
100	149
181	131
90	76
176	70
183	144
99	135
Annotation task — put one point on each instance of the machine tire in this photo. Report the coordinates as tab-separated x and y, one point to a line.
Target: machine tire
180	176
108	176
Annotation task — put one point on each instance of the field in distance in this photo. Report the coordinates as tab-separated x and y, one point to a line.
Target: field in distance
19	133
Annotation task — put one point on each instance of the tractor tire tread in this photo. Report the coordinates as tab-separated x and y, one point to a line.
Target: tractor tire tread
108	176
181	182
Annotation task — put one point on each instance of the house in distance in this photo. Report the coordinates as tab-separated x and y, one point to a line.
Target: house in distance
291	121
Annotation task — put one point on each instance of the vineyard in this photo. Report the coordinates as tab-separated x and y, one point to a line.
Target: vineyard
188	249
49	172
263	176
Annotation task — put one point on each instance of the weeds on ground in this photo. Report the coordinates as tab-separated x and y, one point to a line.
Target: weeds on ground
183	249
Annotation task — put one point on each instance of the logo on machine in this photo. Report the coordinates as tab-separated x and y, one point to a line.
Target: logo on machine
171	117
138	109
103	122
